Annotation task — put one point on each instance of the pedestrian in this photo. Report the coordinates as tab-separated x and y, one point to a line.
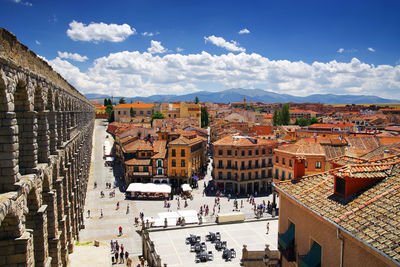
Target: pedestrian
214	210
267	227
120	230
122	247
121	256
112	245
88	213
116	256
127	209
101	213
117	205
126	255
219	208
116	246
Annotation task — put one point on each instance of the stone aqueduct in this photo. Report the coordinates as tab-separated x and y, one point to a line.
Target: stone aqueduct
46	129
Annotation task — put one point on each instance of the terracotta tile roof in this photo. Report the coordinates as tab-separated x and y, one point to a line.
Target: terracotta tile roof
393	128
372	215
302	148
244	141
361	145
137	145
182	140
334	151
138	162
345	160
160	148
135	105
330	126
365	170
261	130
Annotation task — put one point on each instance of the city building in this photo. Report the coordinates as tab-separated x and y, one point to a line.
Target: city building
191	111
292	161
345	217
243	164
122	112
186	159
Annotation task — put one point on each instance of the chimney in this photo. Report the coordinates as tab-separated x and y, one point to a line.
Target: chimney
299	167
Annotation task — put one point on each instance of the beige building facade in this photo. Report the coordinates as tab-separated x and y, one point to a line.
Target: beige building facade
243	164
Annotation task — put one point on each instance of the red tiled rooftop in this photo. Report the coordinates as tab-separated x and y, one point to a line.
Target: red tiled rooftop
331	125
135	105
371	215
244	141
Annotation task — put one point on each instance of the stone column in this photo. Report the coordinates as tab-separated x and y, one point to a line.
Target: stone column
27	133
60	126
37	221
8	151
43	139
18	252
65	125
50	199
52	120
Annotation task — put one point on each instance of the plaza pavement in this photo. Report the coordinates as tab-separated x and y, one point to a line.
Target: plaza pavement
106	228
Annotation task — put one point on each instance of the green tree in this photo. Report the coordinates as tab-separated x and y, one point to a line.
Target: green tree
122	100
157	115
313	120
111	117
105	102
285	115
132	113
204	117
196	100
276	118
302	122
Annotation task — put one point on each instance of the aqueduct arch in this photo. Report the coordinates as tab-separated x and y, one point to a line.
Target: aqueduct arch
45	126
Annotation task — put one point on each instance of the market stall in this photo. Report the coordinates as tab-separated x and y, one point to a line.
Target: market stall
186	190
148	191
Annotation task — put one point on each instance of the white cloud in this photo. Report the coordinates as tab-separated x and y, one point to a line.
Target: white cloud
73	56
142	74
220	42
25	3
178	49
371	49
244	31
96	32
156	48
37	42
342	50
150	34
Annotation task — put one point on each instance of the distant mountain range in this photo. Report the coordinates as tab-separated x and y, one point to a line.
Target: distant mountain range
258	95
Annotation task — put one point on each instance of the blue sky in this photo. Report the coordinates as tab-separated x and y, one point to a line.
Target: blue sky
150	47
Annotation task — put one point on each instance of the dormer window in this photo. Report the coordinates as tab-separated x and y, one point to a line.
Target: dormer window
340	186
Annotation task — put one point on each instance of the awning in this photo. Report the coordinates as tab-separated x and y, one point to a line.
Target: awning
195	177
287	237
149	188
313	258
186	187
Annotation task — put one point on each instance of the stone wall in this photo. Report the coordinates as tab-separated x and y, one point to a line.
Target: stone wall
46	129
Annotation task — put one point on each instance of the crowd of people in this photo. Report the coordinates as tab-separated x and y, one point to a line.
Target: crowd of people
118	253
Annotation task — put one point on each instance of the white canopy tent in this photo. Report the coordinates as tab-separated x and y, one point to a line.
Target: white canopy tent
107	148
149	188
186	187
